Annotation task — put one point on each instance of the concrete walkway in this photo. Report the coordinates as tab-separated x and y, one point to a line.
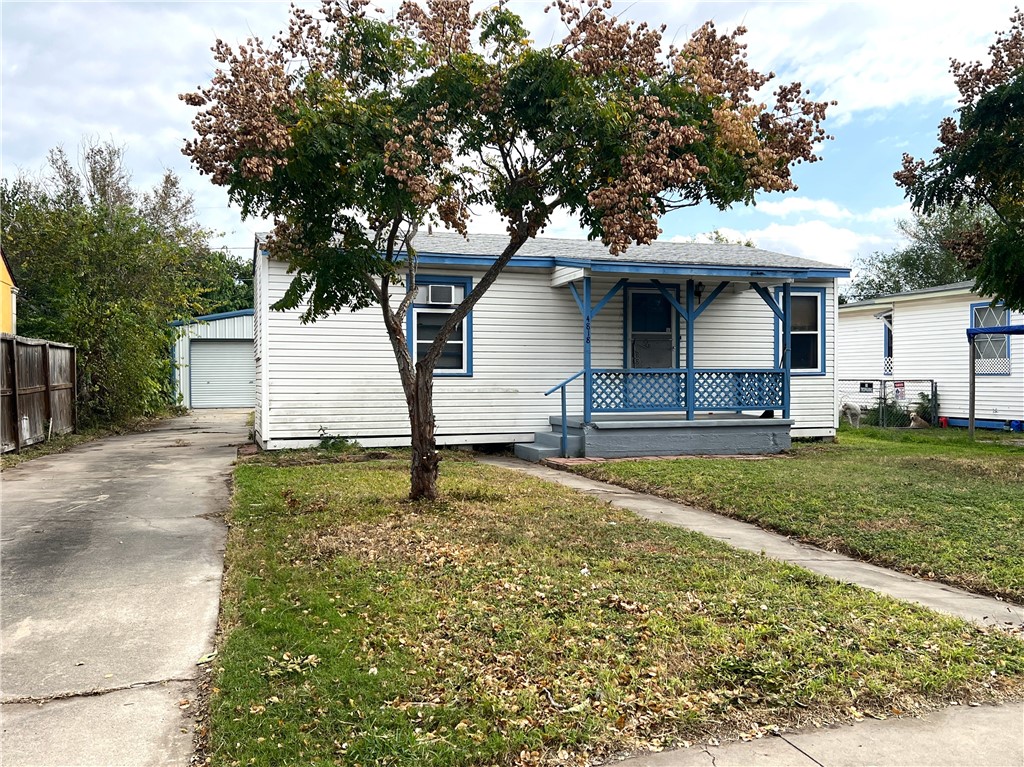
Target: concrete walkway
958	736
112	557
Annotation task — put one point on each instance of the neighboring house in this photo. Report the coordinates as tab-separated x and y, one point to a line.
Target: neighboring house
213	361
8	297
648	381
921	334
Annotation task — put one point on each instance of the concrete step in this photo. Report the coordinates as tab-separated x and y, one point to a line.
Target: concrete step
536	453
553	438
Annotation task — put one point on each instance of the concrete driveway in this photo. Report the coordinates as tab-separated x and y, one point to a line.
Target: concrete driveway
112	556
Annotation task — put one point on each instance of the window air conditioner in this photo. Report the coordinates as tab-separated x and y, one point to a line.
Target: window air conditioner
441	294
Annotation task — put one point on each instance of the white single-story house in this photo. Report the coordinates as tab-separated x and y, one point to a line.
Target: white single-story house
671	348
922	334
213	359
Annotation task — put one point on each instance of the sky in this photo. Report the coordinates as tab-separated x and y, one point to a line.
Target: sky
113	71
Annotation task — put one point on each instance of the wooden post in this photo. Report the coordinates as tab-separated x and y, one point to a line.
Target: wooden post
588	378
14	394
970	389
48	383
74	389
787	352
691	371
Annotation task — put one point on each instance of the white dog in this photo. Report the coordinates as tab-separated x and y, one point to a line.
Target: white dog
851	412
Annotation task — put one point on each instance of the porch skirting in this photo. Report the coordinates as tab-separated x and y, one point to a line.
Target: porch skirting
631	435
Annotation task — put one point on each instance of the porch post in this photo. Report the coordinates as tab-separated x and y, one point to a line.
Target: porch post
587	378
691	382
971	387
787	332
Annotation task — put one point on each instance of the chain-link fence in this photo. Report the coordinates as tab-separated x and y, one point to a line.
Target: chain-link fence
886	402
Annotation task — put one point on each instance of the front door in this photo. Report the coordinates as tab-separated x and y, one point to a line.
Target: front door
651	346
651	331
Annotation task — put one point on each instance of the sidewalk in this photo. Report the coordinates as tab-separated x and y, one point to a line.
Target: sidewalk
987	736
984	736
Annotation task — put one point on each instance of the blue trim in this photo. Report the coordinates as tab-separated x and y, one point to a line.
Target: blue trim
821	293
211	317
690	377
576	297
467	323
588	381
963	423
972	326
632	267
787	348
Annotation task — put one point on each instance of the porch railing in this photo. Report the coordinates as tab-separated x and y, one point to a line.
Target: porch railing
718	389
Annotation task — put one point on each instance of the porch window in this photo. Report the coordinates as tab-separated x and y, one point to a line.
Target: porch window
807	329
436	298
991	353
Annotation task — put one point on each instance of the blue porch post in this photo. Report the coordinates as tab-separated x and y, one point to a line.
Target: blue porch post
588	382
787	333
691	383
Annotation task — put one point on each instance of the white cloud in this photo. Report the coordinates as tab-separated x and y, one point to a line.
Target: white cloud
827	209
816	240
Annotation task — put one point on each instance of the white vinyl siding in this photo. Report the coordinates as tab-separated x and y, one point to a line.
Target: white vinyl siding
930	342
339	374
222	373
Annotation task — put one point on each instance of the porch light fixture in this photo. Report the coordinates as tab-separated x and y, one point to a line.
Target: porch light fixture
698	290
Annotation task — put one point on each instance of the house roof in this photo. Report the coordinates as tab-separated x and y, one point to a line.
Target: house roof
215	317
662	257
910	295
658	252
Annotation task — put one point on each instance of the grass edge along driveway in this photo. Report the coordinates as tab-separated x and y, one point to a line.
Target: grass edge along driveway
930	504
518	622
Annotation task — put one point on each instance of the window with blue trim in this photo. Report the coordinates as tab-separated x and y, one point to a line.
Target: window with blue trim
991	353
807	330
887	345
436	298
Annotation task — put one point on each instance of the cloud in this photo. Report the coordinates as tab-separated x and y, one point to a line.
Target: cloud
827	209
816	240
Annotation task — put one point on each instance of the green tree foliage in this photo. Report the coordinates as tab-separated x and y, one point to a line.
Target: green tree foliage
351	131
105	268
227	284
925	260
979	163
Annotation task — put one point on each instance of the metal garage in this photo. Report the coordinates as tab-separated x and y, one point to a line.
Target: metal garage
214	363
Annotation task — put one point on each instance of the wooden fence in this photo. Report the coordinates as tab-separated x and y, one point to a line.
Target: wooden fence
38	393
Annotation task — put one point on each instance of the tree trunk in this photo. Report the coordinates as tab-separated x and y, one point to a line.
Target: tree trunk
424	449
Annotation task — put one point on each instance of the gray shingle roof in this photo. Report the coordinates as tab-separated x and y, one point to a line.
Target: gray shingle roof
658	252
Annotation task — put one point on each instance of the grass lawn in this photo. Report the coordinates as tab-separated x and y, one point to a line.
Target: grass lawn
929	503
518	622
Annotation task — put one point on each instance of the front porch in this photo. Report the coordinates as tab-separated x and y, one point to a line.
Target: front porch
647	408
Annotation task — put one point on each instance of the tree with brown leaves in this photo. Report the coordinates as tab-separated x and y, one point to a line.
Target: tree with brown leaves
351	131
979	164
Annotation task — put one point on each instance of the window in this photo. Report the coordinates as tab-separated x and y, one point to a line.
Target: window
991	353
436	298
887	345
807	335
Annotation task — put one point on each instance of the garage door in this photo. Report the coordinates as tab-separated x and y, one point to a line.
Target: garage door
222	374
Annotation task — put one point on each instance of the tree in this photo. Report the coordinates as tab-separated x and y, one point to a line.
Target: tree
105	268
924	261
350	131
227	284
979	163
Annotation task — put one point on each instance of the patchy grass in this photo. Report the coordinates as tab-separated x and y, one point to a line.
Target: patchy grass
518	622
929	503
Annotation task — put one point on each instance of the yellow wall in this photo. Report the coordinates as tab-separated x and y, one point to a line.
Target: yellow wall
7	299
